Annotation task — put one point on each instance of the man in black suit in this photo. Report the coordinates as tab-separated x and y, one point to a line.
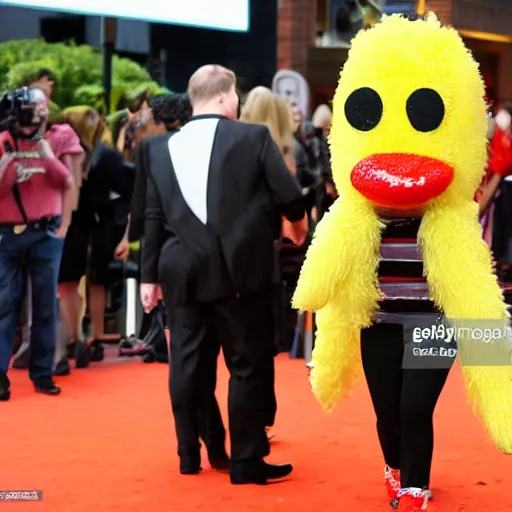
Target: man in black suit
171	111
216	193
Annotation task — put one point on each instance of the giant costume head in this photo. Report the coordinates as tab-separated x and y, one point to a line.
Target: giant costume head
408	138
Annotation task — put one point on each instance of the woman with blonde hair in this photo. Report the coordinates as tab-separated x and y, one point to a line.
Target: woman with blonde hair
262	106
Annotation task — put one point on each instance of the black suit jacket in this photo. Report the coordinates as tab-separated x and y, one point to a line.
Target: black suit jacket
138	208
249	187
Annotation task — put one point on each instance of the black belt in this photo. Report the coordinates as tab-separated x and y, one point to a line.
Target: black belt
43	223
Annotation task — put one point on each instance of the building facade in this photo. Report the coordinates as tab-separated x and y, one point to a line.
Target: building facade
485	25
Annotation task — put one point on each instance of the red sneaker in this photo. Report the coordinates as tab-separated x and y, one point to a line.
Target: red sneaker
392	481
413	500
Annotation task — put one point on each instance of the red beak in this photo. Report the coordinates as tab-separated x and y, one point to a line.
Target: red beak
401	180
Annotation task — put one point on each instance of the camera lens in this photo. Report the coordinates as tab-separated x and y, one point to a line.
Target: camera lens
25	117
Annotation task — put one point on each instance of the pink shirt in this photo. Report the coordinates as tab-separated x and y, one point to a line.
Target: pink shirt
41	195
64	141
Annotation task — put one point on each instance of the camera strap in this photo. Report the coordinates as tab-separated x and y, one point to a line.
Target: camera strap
15	188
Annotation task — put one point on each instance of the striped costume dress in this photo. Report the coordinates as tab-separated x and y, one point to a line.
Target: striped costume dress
401	280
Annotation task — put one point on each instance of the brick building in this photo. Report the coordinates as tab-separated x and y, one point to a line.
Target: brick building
486	26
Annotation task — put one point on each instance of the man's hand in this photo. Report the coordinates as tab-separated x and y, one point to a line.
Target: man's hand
122	250
62	231
149	295
299	231
331	190
45	150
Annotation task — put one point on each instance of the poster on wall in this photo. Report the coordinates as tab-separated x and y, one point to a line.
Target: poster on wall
230	15
293	87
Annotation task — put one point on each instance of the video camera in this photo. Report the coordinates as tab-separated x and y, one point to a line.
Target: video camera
23	108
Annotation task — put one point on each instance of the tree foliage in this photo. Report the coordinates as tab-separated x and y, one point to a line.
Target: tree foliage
79	70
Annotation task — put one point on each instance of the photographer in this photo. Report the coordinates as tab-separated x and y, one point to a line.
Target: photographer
37	194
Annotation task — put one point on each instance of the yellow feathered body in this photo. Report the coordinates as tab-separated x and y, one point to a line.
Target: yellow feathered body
339	276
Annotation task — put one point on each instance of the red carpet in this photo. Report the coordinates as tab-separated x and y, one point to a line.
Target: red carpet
107	444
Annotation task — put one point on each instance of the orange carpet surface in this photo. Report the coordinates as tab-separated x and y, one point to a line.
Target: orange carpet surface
107	444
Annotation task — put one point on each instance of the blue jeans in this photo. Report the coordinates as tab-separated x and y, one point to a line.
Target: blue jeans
35	253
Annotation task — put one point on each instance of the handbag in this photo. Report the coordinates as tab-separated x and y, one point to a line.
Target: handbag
153	347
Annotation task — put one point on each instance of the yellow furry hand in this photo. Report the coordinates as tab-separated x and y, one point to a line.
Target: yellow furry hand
345	244
320	274
336	358
490	393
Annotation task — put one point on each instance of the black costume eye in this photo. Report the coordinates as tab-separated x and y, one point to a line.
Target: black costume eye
363	109
425	110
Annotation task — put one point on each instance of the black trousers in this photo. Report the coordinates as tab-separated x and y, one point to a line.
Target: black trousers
210	424
245	329
404	403
209	420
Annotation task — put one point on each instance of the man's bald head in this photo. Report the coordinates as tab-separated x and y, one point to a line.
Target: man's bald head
209	82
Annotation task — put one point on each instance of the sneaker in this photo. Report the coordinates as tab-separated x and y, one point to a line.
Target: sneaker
392	481
413	499
5	387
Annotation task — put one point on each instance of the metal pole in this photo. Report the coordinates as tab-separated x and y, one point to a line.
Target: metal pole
108	40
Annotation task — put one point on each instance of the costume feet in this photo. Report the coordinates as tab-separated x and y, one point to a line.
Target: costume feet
392	481
413	499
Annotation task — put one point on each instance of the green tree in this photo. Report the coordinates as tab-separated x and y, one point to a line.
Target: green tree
78	69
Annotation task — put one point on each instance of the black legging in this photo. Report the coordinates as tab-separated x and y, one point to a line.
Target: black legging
404	403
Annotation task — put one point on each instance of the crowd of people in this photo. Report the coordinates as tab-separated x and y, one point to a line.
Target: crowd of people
88	223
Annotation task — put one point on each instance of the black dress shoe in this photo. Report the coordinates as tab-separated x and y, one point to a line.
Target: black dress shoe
257	471
218	460
190	462
81	354
5	387
62	368
46	385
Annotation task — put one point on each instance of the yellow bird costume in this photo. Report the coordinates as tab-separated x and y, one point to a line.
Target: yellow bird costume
408	134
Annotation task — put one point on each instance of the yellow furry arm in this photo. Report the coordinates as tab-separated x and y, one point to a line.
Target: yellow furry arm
461	279
344	236
458	264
